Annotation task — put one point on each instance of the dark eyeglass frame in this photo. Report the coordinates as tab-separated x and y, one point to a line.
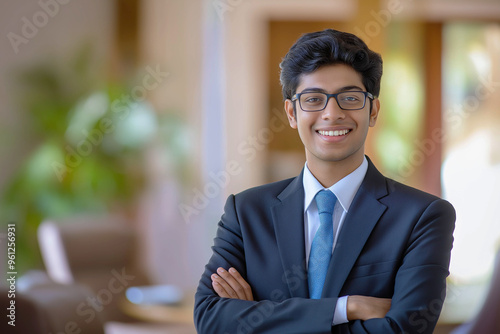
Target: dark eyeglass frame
328	96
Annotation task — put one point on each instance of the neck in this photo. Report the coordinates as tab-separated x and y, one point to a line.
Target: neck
329	173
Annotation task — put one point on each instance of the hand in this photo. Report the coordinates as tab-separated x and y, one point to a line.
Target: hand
364	307
230	284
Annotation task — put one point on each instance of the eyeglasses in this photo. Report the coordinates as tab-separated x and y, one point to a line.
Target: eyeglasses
317	101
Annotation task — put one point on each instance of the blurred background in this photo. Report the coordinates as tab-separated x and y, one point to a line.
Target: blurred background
142	116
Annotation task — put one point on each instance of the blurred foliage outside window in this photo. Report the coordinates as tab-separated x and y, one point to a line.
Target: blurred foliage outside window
93	134
402	96
471	168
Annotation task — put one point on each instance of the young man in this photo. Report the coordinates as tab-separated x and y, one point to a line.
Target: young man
339	248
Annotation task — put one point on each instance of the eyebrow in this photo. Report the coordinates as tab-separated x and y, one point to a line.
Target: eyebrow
342	89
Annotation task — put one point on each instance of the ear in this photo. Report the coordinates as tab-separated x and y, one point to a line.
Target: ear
374	112
290	114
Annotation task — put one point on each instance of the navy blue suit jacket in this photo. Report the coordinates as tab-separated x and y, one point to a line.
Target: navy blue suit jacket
395	243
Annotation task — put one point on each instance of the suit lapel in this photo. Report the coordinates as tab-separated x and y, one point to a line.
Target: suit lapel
288	218
363	215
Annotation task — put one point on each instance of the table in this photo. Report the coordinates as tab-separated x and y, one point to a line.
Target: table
181	313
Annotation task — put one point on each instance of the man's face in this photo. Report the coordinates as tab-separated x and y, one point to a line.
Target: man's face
350	127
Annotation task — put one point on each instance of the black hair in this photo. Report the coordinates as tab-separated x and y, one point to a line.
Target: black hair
314	50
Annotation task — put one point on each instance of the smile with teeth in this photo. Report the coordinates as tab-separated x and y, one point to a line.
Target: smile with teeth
334	133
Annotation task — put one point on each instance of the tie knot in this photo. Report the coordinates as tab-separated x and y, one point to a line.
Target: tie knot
325	200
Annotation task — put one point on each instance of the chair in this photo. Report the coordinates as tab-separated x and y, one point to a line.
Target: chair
102	254
98	252
50	308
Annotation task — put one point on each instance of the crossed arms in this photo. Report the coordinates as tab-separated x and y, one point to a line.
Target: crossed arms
230	284
242	301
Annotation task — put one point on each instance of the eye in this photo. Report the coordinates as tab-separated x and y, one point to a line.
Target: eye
313	99
350	98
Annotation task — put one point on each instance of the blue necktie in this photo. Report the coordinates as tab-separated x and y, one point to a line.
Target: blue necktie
321	248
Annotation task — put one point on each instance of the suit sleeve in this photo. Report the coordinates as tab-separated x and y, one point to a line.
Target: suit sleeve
420	285
213	314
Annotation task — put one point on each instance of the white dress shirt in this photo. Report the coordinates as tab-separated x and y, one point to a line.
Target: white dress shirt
344	190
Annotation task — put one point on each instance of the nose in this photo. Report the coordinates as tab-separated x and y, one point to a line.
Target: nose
332	110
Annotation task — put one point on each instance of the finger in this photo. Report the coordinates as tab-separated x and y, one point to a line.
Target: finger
233	283
222	288
218	288
246	287
233	287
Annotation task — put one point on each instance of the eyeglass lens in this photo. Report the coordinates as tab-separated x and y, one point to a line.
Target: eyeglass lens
315	101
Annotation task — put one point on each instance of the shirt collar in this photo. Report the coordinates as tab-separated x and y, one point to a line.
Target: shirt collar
344	189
